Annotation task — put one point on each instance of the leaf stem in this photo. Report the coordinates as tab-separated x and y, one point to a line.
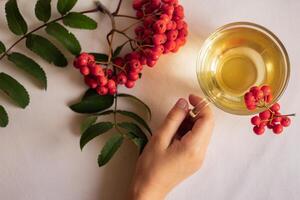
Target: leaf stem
131	25
118	7
110	35
126	16
40	27
115	116
288	115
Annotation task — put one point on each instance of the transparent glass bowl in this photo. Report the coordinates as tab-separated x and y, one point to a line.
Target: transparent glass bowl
268	54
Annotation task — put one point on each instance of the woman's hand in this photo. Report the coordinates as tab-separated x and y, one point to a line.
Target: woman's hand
170	156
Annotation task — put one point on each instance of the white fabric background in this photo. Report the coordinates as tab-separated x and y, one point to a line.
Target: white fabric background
40	157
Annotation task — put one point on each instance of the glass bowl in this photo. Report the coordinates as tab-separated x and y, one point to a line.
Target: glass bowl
237	56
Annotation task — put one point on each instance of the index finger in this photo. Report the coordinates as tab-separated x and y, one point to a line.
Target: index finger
201	132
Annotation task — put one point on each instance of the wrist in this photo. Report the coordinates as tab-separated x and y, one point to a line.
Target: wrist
139	192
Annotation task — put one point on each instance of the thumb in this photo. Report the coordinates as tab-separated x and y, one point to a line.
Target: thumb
172	122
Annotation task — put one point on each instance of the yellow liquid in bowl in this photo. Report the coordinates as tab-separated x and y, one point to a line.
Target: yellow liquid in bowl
236	57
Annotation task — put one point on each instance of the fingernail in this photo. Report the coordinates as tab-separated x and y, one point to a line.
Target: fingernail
181	103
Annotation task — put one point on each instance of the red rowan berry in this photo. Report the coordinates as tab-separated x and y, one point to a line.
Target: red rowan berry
148	21
249	97
251	107
82	62
137	4
102	90
170	45
84	71
111	84
155	3
181	41
180	24
133	55
122	79
256	120
151	54
178	12
147	33
266	90
112	91
159	39
134	64
286	121
90	82
151	63
133	76
265	114
160	26
254	89
143	60
268	98
102	80
139	14
182	33
167	9
172	34
277	118
90	57
148	9
96	70
130	84
139	31
176	48
275	107
165	17
258	130
158	49
173	2
278	128
118	61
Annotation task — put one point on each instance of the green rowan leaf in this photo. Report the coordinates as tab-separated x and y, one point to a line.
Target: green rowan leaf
15	20
43	10
46	50
89	121
65	37
135	117
64	6
100	57
118	50
109	149
78	20
134	128
92	102
138	141
3	117
94	131
29	66
2	48
138	100
14	90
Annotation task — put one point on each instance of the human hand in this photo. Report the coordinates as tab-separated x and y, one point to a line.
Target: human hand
171	156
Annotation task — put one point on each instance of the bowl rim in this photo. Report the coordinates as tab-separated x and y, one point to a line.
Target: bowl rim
266	32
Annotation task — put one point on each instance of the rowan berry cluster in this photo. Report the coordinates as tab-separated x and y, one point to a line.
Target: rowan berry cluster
260	97
95	76
162	30
163	27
